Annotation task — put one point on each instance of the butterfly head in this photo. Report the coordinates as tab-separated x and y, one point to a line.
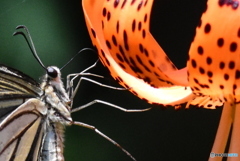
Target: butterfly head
53	74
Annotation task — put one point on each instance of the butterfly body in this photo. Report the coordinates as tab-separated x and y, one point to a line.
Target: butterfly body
39	122
58	115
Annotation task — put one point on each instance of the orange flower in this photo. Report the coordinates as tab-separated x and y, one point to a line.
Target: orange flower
210	79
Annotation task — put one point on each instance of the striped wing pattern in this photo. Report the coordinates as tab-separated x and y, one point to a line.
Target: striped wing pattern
15	88
22	132
21	116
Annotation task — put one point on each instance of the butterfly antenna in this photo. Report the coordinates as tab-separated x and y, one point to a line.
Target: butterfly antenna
30	44
77	55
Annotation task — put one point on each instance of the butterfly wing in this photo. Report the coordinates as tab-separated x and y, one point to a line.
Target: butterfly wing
15	88
21	126
22	132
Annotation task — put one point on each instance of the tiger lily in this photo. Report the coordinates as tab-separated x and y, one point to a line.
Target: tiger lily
134	58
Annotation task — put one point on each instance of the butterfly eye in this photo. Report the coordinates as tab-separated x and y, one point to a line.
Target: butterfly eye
52	72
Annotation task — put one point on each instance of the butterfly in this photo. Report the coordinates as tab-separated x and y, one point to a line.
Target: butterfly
33	116
134	58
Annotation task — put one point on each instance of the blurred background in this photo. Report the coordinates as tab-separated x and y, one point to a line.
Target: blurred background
59	32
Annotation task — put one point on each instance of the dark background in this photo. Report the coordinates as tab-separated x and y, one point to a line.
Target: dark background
58	31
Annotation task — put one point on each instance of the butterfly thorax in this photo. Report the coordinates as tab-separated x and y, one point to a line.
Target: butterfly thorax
56	99
58	115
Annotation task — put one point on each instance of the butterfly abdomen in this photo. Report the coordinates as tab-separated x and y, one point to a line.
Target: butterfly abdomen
52	149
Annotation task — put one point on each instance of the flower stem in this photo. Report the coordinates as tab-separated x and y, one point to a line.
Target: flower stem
222	132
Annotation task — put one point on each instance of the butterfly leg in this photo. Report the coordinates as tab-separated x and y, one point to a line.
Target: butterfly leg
108	104
95	82
104	136
69	84
72	91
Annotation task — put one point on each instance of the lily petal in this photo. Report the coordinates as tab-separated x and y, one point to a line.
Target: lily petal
145	69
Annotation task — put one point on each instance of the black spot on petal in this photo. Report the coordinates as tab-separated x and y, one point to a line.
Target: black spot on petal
221	2
117	27
226	77
210	81
139	26
143	33
145	18
234	86
237	74
221	65
194	64
210	74
93	33
119	57
220	42
123	4
108	16
141	48
195	80
116	2
209	105
233	47
207	28
151	63
221	86
235	4
133	25
104	12
146	52
108	44
140	5
231	65
201	70
200	50
209	60
114	40
125	38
